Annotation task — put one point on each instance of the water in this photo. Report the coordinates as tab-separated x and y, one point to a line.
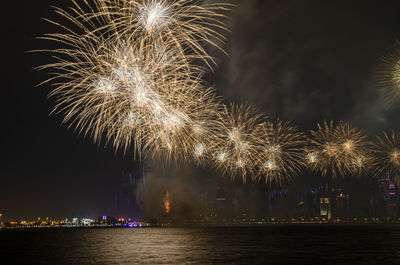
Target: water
290	244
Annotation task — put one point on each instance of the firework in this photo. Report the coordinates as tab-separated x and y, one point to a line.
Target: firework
339	149
388	75
182	132
124	92
281	150
161	117
203	129
355	155
184	24
387	155
125	74
234	149
323	152
128	74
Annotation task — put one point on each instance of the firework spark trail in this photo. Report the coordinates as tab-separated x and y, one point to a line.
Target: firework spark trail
323	145
340	149
180	133
388	76
280	151
184	24
203	128
126	73
235	140
355	155
132	83
386	159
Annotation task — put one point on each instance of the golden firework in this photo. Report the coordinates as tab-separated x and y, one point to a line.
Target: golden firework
355	156
340	149
125	73
323	150
234	149
388	75
280	151
185	24
387	156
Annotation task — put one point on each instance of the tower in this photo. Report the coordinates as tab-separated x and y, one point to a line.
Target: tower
388	189
325	208
127	203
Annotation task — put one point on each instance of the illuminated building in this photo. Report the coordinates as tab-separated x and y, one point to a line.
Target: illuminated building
390	196
300	204
221	195
275	202
342	205
127	203
312	202
325	208
392	205
86	221
221	204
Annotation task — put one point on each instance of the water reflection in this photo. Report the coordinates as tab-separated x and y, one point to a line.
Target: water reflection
247	245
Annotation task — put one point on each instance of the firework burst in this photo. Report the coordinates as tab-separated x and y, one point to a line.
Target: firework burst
184	24
387	156
340	149
234	149
183	132
203	128
388	75
323	150
124	73
281	150
355	156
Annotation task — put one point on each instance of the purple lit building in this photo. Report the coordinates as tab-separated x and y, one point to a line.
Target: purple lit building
390	196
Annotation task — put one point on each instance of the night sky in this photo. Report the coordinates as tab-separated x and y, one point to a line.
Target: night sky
302	61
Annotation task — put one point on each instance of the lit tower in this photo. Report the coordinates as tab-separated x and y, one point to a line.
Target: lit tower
392	199
127	202
389	195
325	202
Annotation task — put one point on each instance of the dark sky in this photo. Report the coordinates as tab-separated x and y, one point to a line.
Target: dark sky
303	61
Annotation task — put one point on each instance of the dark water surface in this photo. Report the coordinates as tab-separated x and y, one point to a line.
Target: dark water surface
291	244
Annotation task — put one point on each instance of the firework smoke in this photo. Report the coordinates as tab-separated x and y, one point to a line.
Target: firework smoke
388	75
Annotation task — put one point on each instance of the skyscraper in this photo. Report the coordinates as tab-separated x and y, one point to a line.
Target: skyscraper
390	196
325	208
127	203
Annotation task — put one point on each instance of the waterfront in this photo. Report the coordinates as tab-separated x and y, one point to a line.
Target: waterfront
275	244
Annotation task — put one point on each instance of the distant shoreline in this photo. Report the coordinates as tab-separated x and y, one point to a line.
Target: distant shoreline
203	225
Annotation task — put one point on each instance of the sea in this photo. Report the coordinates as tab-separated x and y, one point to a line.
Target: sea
275	244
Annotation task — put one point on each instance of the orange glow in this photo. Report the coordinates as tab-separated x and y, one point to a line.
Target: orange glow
167	203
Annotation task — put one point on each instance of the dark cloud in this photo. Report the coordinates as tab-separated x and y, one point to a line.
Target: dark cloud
307	61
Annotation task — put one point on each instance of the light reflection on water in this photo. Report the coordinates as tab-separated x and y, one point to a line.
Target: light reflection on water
296	244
